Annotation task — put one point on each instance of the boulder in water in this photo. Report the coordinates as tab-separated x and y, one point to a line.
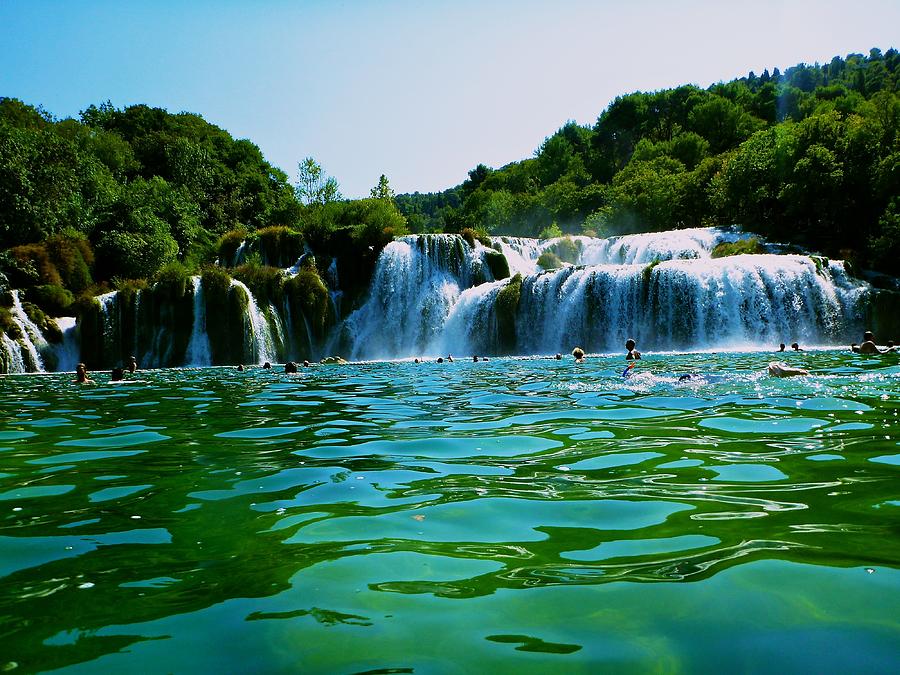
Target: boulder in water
334	361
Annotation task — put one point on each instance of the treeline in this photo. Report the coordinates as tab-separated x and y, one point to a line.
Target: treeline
810	156
122	198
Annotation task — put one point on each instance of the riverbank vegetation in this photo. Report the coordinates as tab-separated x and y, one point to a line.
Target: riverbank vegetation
122	198
808	156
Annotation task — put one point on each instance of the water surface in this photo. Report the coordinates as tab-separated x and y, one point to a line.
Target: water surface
518	515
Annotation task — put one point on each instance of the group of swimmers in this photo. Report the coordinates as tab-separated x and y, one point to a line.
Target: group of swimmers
116	374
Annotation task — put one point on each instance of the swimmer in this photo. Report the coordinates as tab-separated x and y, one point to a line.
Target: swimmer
81	376
868	346
558	356
290	368
781	347
440	359
415	360
267	365
117	374
475	359
240	367
632	352
132	364
777	369
449	358
578	353
796	347
306	364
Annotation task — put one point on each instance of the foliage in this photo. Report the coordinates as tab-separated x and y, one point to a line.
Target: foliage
54	300
808	156
739	247
548	260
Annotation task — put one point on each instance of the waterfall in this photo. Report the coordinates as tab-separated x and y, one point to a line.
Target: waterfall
14	361
418	281
67	351
429	297
32	338
260	332
198	350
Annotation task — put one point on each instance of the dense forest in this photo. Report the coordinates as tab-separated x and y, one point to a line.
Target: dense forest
119	199
809	156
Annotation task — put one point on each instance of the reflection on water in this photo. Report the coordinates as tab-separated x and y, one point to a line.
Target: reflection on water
515	515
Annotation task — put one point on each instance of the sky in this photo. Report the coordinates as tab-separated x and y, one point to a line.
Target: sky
419	91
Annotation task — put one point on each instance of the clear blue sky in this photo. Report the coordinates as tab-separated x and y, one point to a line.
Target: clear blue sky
419	91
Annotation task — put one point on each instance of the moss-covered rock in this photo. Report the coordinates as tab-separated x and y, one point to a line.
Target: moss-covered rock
266	283
567	250
310	310
278	246
229	244
226	307
497	264
507	307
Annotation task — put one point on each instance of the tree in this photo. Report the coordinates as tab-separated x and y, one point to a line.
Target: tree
313	187
382	190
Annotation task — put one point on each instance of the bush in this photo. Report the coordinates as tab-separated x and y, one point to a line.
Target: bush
739	247
278	246
136	254
549	261
73	257
266	283
31	265
229	244
54	300
172	281
567	249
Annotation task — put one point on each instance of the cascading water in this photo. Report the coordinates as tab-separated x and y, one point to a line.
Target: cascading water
664	289
418	281
32	339
67	351
198	350
262	344
13	360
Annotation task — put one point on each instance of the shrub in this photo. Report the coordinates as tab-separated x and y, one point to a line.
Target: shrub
279	246
739	247
567	249
266	283
73	257
54	300
172	281
228	246
549	261
31	266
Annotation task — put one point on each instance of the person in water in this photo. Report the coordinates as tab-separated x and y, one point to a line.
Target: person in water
440	359
117	374
132	364
781	347
777	369
558	356
475	359
81	376
290	368
240	367
796	347
632	352
868	346
578	353
267	365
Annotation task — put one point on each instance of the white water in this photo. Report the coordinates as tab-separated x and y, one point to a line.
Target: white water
260	333
417	283
14	360
421	303
32	338
67	352
198	349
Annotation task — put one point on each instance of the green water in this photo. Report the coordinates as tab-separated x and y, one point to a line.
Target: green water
510	516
